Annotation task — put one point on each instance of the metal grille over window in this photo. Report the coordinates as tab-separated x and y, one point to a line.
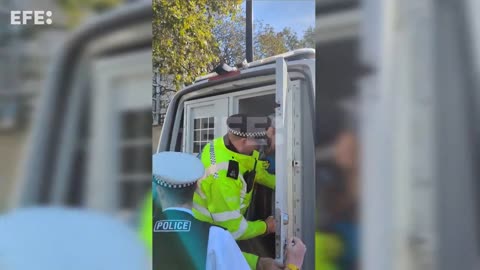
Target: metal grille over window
135	157
203	132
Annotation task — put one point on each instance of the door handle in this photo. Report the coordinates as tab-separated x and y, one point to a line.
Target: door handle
281	218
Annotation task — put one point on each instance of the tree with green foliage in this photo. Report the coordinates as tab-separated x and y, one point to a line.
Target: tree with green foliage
290	39
191	37
230	36
183	41
309	38
268	42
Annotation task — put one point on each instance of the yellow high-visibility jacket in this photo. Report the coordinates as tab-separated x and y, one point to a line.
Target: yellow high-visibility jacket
222	200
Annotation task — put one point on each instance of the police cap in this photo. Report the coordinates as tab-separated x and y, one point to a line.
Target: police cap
176	170
247	126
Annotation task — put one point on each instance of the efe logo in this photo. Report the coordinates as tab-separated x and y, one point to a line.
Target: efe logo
36	17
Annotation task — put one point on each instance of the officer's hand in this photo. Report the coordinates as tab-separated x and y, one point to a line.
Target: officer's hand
295	252
265	263
270	225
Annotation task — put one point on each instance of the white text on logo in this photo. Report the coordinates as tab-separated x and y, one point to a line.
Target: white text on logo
36	17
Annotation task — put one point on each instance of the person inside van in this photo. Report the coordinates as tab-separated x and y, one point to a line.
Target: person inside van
269	151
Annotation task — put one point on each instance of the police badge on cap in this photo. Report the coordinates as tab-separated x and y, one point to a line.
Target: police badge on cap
246	126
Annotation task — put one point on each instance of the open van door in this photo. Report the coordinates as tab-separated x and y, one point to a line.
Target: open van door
283	98
294	174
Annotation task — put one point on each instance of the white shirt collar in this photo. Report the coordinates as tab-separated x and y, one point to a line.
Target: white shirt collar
179	209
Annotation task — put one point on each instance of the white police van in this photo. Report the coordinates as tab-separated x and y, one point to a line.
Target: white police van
284	85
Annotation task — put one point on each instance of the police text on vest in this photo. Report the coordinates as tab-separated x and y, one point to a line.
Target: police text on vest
172	226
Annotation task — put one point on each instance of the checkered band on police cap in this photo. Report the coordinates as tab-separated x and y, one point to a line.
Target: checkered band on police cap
168	183
246	126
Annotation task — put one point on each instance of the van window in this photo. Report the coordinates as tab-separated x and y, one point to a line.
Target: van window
205	118
260	105
135	152
203	132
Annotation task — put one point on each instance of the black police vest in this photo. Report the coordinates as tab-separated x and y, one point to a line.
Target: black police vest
179	241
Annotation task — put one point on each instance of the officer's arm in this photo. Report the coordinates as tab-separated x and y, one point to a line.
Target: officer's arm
263	177
224	205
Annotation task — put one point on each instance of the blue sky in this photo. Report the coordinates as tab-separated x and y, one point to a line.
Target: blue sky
297	14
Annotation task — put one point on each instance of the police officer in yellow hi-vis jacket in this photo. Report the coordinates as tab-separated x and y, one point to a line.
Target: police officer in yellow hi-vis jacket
233	169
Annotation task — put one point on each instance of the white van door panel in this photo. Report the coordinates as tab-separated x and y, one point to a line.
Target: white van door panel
204	121
286	173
